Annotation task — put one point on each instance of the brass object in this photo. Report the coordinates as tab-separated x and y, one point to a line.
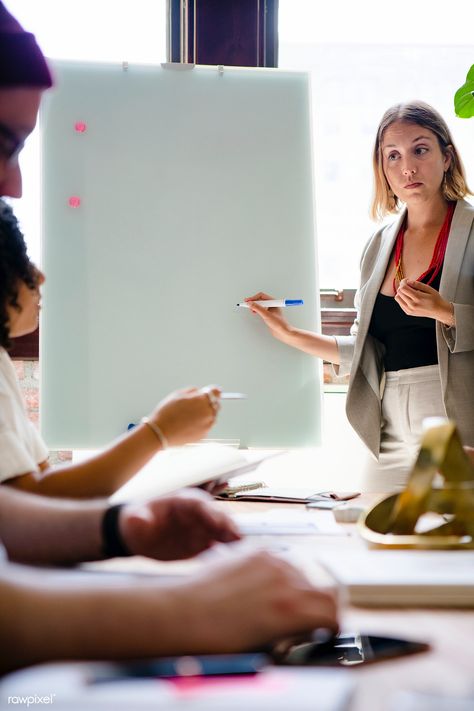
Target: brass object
436	509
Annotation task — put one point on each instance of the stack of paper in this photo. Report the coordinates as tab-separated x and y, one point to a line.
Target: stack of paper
404	578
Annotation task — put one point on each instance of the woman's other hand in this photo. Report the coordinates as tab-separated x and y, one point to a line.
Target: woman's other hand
419	299
187	415
272	317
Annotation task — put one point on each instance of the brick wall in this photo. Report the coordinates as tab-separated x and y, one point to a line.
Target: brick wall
27	372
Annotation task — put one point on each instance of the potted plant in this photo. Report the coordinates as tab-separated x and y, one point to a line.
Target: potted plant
464	97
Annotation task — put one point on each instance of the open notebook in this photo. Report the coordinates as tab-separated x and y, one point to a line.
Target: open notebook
286	495
191	465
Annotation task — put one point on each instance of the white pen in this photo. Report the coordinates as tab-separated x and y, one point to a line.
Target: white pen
233	396
272	303
225	395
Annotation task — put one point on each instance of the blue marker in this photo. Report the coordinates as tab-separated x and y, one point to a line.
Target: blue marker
272	303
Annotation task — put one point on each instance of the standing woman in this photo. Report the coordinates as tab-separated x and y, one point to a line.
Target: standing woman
410	354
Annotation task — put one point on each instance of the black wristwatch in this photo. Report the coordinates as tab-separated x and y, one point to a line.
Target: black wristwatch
113	545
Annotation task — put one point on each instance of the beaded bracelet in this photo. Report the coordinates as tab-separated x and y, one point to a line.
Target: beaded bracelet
452	318
156	430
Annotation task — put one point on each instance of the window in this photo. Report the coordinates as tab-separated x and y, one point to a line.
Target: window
100	30
364	57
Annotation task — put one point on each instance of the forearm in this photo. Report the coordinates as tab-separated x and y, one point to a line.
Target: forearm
40	622
100	475
34	529
461	338
445	313
315	344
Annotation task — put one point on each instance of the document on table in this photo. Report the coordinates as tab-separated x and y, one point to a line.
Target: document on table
424	701
69	688
404	577
277	522
192	465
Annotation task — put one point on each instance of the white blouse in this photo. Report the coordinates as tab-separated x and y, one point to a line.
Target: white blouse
21	446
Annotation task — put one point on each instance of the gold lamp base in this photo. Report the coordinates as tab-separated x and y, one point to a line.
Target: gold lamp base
428	515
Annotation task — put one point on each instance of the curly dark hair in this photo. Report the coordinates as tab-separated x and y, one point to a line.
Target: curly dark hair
15	266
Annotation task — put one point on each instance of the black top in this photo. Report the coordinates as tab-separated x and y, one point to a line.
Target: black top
410	341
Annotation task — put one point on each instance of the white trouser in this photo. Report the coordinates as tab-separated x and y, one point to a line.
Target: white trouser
409	396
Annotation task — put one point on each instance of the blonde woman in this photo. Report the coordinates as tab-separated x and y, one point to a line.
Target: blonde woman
411	350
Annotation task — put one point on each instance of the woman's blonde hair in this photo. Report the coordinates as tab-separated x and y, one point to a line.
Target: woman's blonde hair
424	115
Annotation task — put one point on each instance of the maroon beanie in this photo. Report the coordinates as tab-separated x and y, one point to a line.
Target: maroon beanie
21	61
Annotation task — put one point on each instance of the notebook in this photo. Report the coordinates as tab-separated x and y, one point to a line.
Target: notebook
285	495
404	578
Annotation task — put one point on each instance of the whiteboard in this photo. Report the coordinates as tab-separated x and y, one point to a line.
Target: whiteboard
190	190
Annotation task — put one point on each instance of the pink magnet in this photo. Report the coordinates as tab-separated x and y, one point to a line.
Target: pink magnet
80	127
74	201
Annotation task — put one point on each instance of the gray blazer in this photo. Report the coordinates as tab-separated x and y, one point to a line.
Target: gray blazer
361	355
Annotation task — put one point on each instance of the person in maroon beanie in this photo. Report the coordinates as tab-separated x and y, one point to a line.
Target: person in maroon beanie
24	75
246	601
21	61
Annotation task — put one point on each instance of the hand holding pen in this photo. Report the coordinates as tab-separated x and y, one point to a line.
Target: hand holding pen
186	415
271	303
272	317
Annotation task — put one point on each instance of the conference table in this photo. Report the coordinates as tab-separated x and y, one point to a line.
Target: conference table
446	669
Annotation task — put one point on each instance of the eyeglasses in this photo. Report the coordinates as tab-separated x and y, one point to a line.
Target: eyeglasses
10	144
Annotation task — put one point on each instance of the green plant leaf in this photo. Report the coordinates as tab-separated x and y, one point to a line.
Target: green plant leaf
464	97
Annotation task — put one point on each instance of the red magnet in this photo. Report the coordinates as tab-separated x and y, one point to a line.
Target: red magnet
80	127
74	201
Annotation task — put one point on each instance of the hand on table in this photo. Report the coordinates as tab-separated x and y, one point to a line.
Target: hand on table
255	599
175	527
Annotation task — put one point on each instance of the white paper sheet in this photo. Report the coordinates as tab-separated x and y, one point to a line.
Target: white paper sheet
272	690
281	522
